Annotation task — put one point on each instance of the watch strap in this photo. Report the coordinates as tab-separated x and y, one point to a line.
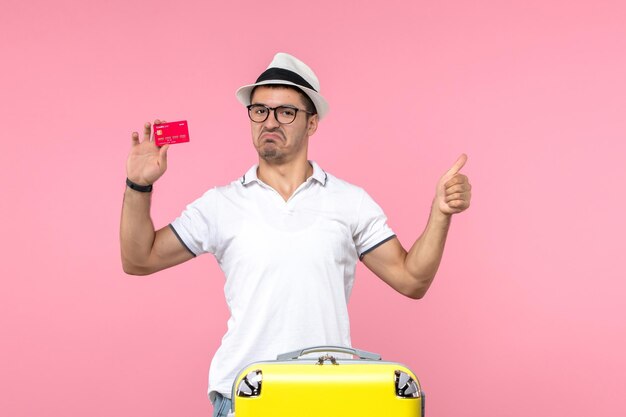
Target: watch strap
137	187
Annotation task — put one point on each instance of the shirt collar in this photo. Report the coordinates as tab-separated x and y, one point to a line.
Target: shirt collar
318	174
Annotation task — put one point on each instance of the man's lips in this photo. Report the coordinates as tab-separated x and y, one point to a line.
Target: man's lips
271	137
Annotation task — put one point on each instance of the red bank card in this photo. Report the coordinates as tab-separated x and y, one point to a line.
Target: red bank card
171	132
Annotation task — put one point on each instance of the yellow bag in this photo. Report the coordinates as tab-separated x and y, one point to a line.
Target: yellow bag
327	386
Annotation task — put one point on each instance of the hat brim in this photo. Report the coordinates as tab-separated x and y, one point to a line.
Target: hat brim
243	95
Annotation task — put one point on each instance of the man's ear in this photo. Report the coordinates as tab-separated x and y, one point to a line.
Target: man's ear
312	124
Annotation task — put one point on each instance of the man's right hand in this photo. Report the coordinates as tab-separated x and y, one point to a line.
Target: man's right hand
146	161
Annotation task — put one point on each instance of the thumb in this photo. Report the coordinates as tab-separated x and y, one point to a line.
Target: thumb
457	165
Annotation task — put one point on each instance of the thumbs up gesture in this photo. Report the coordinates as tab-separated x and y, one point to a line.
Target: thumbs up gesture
454	191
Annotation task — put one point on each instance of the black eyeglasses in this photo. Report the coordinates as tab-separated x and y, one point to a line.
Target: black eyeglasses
259	113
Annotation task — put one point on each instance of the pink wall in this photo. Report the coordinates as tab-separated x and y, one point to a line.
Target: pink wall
526	316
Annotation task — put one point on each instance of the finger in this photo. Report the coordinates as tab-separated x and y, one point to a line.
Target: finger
163	156
458	205
459	188
457	197
457	179
458	165
146	131
158	122
135	138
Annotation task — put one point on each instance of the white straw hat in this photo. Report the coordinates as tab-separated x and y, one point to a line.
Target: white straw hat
288	70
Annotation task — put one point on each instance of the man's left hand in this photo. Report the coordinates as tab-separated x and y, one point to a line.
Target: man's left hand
454	191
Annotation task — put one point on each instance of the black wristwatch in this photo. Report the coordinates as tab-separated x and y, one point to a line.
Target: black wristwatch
137	187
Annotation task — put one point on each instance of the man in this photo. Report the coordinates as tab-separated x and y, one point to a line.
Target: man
287	234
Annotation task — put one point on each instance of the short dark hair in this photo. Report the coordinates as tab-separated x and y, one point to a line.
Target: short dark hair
308	103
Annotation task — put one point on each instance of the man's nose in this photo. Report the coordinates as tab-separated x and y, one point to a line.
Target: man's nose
271	121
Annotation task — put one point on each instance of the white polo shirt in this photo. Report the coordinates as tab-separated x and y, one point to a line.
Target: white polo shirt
289	265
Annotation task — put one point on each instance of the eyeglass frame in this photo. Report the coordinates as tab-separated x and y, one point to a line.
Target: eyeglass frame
249	107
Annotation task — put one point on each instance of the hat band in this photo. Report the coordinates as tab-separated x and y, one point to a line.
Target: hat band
285	75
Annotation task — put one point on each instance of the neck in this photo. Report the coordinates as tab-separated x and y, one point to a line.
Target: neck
284	178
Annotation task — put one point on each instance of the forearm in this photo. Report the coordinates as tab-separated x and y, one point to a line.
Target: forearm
136	231
424	257
411	273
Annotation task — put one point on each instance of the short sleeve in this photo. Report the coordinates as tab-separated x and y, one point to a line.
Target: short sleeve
196	226
371	229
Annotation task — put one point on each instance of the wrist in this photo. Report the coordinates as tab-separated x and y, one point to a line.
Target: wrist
138	187
439	217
